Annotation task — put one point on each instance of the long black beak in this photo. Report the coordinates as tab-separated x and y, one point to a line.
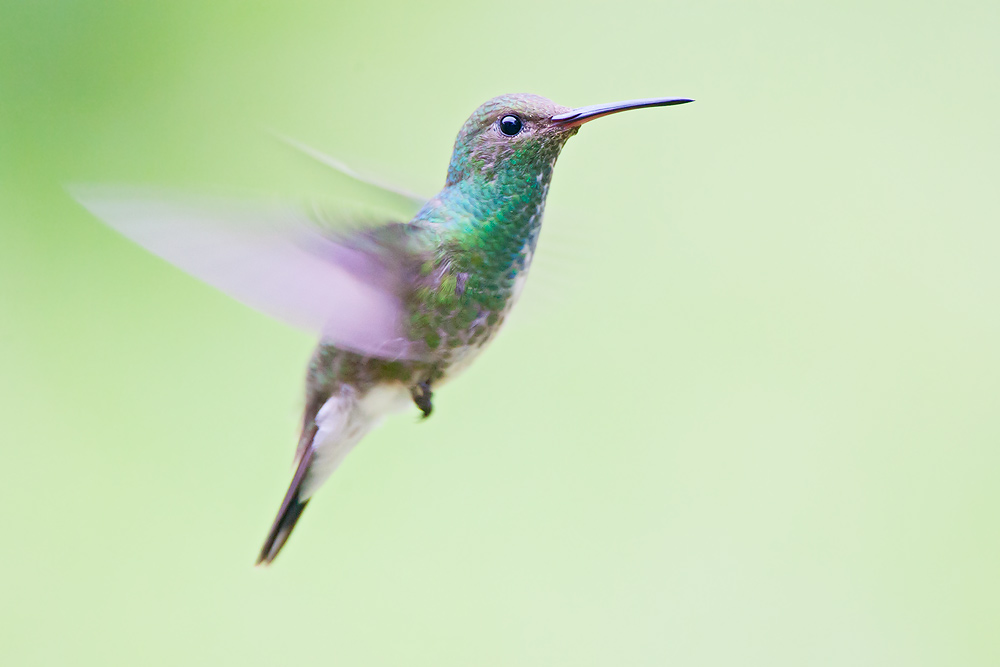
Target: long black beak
585	114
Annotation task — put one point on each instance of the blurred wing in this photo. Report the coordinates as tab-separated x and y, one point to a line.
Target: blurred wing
405	201
562	265
272	259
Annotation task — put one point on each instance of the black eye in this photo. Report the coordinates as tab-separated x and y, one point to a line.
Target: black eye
510	125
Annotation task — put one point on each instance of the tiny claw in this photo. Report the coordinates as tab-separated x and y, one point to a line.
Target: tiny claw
421	394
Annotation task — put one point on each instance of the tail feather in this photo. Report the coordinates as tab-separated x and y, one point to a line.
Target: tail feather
331	426
288	514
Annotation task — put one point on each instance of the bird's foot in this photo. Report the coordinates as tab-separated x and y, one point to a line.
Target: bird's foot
421	394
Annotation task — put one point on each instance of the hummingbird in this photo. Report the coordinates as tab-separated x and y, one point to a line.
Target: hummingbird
400	307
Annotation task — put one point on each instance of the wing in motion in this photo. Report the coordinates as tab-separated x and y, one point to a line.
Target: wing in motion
276	260
406	201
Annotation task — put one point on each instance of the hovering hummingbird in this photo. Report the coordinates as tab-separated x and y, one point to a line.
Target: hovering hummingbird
400	308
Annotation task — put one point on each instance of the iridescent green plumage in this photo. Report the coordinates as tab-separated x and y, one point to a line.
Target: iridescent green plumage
467	248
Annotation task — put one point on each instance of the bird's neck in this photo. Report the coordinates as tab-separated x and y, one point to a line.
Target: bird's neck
491	222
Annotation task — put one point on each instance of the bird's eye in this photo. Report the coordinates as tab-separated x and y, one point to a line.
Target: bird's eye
510	125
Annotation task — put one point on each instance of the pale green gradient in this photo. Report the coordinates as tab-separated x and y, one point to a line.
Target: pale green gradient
756	421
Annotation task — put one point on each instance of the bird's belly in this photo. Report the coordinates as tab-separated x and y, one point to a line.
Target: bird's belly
385	398
462	357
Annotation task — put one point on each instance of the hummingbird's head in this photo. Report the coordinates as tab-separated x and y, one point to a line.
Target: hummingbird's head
520	136
510	134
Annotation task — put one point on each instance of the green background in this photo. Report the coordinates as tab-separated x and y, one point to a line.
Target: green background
748	414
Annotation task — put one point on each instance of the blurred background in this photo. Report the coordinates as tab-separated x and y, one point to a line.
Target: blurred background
748	417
